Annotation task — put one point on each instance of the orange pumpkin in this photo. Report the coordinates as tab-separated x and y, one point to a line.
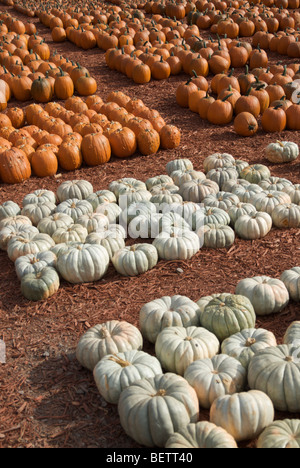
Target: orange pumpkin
44	163
95	149
14	166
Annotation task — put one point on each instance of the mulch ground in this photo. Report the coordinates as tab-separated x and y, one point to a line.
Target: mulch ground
47	400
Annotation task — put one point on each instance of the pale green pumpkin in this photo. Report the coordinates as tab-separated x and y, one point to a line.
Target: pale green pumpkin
40	285
254	226
227	314
281	152
292	334
177	347
79	189
111	337
214	377
291	279
179	164
135	260
283	434
255	173
215	160
151	410
8	209
39	197
276	372
244	415
202	434
115	372
267	295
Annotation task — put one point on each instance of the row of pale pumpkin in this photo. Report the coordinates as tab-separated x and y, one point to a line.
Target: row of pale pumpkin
208	355
180	212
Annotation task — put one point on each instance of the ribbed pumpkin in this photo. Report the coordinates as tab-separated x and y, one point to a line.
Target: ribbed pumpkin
44	163
14	166
95	149
41	90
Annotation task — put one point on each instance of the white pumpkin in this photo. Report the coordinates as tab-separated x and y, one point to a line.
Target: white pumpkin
276	372
222	200
83	263
150	410
8	209
167	311
50	224
215	160
40	196
244	415
115	372
267	295
202	434
291	279
111	239
240	209
244	344
10	231
292	333
74	233
277	184
158	180
28	243
286	215
283	434
267	200
294	193
177	347
214	377
101	196
197	190
37	211
253	226
111	337
74	208
247	193
255	173
126	183
179	177
34	263
179	164
93	222
221	174
281	151
79	189
14	221
135	259
177	244
111	210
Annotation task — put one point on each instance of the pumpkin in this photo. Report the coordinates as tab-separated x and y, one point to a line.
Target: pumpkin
9	208
255	173
221	174
281	151
246	191
13	230
176	244
44	163
217	236
123	142
69	156
101	196
49	224
41	90
291	279
41	285
177	347
78	188
267	295
95	149
28	243
83	263
240	209
267	201
75	208
215	376
215	160
202	434
227	314
274	119
14	166
37	211
275	371
115	372
111	210
286	215
126	184
292	334
34	263
178	164
197	190
167	311
135	260
63	86
245	124
111	337
146	396
244	344
253	226
86	85
181	176
280	434
112	239
148	141
93	222
39	196
244	415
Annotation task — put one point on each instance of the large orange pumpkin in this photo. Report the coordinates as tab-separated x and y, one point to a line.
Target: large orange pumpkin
14	166
44	163
95	149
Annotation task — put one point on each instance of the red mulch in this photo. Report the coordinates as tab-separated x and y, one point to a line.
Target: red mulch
46	398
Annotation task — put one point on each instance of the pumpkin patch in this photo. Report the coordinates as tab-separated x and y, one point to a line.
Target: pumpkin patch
149	224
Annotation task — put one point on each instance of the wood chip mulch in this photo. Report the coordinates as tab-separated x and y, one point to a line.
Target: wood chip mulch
47	400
